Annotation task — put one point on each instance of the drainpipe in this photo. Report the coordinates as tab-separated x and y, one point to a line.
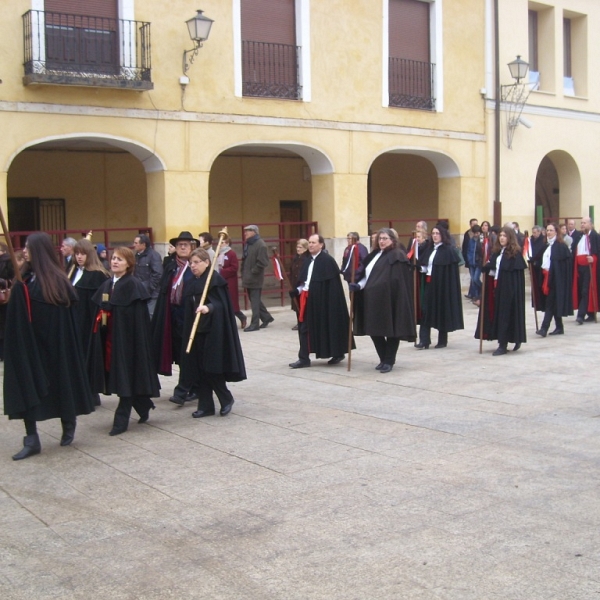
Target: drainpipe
497	202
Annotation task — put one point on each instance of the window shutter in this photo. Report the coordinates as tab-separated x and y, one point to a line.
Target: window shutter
270	21
409	30
92	8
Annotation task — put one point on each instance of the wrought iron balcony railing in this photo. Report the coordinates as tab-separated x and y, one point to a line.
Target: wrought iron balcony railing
81	50
411	84
270	70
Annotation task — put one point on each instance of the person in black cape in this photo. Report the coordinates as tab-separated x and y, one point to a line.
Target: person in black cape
120	359
586	273
504	311
324	323
442	303
44	372
383	300
216	354
88	277
556	265
537	245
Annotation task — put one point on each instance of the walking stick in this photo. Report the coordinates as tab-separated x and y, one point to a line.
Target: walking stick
11	250
353	258
415	277
533	295
482	313
594	292
222	234
286	279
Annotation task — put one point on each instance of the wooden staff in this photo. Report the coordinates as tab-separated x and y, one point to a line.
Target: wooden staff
87	237
593	282
11	250
482	299
222	235
533	287
415	277
286	279
353	258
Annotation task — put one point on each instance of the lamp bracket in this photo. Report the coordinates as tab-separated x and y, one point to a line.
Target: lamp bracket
514	97
187	63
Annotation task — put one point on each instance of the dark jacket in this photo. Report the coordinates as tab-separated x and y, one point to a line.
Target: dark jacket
256	260
346	269
384	307
560	279
148	269
120	360
44	369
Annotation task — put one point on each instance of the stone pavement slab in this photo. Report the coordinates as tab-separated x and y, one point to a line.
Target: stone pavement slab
457	476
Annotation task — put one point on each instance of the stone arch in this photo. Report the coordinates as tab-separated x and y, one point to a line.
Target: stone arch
558	186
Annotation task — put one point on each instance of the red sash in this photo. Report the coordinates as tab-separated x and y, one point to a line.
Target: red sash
108	340
545	284
582	261
303	300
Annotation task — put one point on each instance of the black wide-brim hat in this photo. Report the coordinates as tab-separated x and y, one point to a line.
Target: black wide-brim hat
184	236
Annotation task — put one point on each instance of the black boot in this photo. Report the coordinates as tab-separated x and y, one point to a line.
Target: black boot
68	435
31	446
122	414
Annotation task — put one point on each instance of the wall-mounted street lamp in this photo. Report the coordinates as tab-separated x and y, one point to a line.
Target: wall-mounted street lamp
199	29
515	97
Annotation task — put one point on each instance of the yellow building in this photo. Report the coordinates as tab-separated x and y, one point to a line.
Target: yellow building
343	112
552	161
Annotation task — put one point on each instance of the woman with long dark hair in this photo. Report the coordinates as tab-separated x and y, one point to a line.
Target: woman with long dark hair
504	311
557	278
384	299
120	359
44	372
442	303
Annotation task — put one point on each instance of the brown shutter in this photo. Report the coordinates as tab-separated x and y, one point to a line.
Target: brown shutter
409	30
92	8
270	21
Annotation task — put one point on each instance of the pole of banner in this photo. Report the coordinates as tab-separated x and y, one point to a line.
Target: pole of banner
11	250
532	283
482	299
222	235
353	258
593	283
415	277
286	279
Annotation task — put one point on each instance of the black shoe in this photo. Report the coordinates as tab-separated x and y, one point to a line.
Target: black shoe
499	351
191	396
336	360
117	431
252	328
31	447
441	345
225	410
589	319
422	346
295	328
244	323
144	418
300	364
265	324
579	321
378	367
177	400
516	346
203	413
557	331
68	435
386	368
542	332
468	297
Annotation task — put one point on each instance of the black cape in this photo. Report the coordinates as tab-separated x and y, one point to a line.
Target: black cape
385	306
85	309
326	313
560	279
44	370
216	347
508	321
442	300
131	369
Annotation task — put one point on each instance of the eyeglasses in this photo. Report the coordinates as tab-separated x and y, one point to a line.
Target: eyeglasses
381	237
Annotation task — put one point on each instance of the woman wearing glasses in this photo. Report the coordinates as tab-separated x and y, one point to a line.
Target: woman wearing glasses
384	299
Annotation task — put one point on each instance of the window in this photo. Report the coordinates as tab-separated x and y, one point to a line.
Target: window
533	41
270	56
411	39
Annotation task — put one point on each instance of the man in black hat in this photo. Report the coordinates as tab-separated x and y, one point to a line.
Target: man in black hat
256	260
167	321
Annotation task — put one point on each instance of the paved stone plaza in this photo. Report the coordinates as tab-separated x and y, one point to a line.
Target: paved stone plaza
455	476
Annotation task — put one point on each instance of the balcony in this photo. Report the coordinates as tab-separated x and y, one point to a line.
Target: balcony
270	70
411	84
65	49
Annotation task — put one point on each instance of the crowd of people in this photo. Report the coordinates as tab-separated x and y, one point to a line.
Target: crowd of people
85	324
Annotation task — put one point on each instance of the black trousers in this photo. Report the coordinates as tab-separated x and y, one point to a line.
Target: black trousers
259	311
141	404
304	352
208	383
387	348
425	335
551	312
583	290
